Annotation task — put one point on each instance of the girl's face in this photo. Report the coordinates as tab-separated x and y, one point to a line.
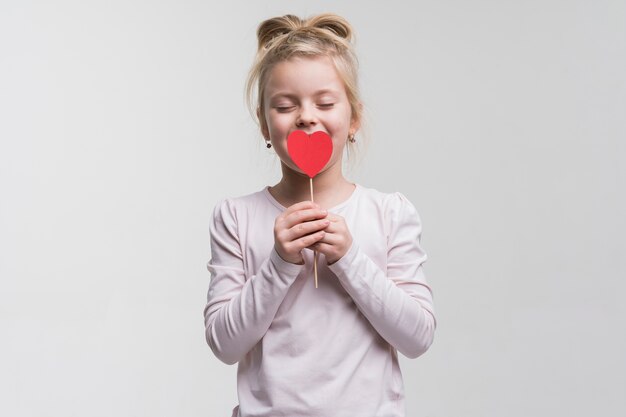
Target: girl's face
306	94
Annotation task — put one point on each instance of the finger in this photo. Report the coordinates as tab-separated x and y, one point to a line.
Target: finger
335	225
332	227
303	215
335	218
331	238
328	241
302	205
308	240
307	204
306	228
321	247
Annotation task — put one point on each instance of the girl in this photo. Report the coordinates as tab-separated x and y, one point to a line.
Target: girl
303	351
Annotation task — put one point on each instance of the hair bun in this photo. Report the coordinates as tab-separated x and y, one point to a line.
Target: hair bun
334	23
276	26
272	28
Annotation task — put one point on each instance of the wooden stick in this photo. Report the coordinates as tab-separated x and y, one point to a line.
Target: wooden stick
314	251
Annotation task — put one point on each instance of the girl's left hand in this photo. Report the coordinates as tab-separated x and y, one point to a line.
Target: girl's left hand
336	241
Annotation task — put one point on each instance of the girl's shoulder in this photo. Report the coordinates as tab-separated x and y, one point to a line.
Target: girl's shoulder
229	207
387	200
241	199
395	209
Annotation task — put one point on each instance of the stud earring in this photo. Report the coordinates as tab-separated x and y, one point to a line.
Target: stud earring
351	138
268	144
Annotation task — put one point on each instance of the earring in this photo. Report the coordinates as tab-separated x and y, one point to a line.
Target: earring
351	138
268	144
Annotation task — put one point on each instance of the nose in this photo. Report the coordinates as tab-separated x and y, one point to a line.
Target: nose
307	116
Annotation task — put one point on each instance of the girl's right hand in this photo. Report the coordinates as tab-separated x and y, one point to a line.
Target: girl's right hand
298	227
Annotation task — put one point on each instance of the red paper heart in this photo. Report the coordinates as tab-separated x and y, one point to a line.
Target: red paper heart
309	152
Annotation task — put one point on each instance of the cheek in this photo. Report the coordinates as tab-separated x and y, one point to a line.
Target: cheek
338	146
339	143
339	132
340	121
279	123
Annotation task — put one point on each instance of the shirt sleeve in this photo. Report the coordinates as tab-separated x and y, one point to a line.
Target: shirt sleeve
397	302
239	311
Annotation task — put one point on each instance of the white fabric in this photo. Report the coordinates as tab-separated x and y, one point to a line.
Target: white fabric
326	351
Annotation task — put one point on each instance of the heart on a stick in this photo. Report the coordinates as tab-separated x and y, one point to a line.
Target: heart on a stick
309	152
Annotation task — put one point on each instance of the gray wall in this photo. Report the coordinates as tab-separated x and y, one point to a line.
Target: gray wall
122	123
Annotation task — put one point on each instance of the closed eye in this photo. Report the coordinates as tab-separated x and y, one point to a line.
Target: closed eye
327	105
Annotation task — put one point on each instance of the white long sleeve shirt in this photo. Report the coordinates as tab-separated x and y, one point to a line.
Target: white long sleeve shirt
329	351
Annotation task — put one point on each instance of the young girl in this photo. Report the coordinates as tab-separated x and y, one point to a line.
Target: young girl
302	351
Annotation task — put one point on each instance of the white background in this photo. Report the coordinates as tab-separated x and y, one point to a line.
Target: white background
123	122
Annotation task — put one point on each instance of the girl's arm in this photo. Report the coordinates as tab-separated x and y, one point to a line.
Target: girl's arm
239	312
398	303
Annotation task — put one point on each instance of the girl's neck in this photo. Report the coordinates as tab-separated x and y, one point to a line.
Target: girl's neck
330	188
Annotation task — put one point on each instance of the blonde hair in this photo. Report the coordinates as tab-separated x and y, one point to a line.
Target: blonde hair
281	38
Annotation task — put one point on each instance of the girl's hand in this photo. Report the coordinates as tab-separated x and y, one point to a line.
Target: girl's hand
337	240
296	228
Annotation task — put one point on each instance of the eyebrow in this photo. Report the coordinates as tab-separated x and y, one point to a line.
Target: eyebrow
316	94
325	91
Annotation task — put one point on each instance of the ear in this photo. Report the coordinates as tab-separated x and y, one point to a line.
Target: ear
264	130
355	124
